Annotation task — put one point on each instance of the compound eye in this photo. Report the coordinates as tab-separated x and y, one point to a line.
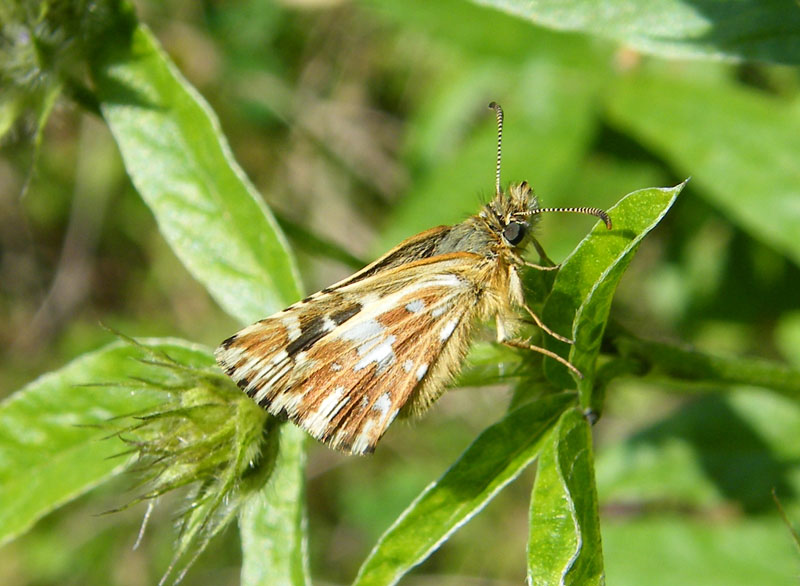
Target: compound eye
514	233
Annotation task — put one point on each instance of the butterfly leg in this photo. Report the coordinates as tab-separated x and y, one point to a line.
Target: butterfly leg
528	346
549	264
518	296
533	265
544	328
502	338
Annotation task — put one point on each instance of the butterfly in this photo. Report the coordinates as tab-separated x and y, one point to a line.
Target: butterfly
345	362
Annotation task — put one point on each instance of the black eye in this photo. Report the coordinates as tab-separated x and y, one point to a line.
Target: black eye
514	233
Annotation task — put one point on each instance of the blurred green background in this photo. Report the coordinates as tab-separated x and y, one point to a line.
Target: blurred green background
362	123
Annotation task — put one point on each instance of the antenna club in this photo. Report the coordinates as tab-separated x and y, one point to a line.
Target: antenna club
597	212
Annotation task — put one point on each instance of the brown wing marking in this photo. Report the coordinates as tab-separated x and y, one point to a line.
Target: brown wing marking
344	377
348	389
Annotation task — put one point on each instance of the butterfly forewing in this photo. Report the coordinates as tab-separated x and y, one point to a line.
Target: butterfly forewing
345	362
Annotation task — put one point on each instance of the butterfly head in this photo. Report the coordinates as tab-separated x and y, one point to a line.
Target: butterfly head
513	214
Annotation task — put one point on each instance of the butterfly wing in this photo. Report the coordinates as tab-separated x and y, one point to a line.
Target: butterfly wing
343	364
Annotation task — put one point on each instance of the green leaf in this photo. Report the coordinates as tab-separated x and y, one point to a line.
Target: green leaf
53	432
738	145
496	457
564	545
766	30
278	509
584	287
181	165
474	34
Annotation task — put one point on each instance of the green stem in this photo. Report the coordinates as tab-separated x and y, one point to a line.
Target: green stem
687	364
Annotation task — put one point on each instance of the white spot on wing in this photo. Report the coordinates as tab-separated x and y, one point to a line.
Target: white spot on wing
362	332
279	357
320	420
448	329
333	400
440	310
408	365
421	371
415	306
336	367
363	440
445	280
383	404
292	325
380	353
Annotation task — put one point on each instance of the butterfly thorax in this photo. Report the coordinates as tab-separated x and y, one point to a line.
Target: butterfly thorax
501	230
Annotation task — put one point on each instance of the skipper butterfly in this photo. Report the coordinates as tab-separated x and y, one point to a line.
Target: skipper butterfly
344	362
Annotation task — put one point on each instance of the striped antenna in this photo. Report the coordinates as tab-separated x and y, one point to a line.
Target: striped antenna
582	210
499	113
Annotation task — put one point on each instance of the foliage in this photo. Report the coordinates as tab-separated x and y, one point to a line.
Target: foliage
691	441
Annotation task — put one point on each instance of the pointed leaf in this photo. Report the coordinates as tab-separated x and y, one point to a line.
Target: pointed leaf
181	165
214	220
494	459
581	297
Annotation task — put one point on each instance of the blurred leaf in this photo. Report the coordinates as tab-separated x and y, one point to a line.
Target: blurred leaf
496	457
180	163
734	29
581	297
10	108
278	510
474	32
304	239
52	432
787	337
739	146
709	453
564	545
665	551
489	364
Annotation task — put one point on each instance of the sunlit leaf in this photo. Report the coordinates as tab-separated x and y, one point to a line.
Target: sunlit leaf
495	458
740	29
581	297
564	546
181	165
53	432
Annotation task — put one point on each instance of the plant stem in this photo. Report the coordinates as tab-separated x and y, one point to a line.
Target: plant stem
687	364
